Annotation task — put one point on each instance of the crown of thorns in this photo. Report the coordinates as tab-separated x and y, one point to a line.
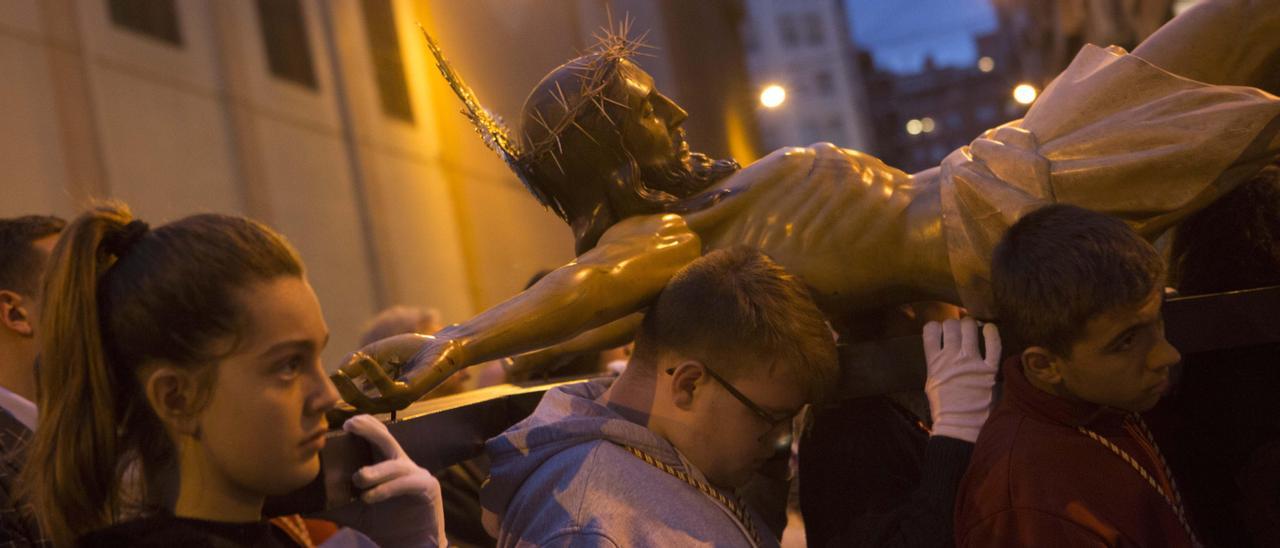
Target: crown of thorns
613	44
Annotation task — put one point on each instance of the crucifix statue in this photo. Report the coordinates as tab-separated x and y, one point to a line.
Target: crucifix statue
1150	137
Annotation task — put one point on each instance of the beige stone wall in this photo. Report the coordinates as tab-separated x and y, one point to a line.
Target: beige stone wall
383	211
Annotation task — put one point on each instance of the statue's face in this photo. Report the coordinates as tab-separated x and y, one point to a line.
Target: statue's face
651	125
624	147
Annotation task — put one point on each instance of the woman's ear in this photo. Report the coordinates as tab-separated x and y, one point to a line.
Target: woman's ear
684	383
1039	364
174	396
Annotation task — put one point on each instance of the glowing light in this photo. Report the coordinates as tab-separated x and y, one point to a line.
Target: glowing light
772	96
914	126
927	125
1024	93
986	64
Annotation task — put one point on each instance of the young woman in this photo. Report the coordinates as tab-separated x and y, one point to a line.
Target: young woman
192	348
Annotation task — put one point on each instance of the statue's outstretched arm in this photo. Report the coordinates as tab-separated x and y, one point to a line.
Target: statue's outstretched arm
1224	42
611	335
621	275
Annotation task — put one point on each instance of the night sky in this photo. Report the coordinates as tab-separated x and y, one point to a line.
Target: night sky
900	33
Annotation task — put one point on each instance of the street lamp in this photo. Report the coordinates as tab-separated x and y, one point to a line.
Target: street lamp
1024	93
914	126
772	96
986	64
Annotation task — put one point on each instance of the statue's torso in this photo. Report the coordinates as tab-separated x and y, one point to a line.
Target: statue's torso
813	209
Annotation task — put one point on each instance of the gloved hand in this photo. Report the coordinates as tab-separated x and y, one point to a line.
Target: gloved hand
404	505
960	379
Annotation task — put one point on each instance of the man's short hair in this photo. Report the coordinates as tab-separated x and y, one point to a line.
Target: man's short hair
736	310
20	262
1061	266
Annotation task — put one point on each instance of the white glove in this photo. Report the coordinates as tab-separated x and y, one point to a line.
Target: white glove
404	498
960	379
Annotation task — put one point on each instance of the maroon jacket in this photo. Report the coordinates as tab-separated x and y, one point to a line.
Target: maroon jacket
1035	480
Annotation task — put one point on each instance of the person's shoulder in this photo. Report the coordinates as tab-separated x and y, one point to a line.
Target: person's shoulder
13	434
1013	459
597	463
616	485
1014	436
592	475
1012	449
13	452
1021	456
605	495
562	474
1000	434
552	498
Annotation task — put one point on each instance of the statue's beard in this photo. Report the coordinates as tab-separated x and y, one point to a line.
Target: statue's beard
685	177
636	190
659	186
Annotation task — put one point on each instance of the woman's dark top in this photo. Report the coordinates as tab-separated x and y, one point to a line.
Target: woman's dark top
170	531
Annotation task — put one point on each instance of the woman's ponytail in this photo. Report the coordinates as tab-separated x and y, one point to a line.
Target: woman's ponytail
75	491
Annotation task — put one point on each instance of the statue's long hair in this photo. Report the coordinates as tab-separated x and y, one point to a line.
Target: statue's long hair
564	125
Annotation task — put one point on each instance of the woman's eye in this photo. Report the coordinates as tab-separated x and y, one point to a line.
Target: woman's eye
292	366
1125	343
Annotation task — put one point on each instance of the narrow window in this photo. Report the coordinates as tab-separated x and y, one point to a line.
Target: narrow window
835	130
814	24
787	26
388	65
156	19
825	84
284	33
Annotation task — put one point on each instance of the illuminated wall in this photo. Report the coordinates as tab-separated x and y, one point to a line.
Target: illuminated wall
323	118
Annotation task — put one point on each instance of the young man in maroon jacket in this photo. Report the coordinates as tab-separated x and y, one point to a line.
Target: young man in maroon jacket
1066	459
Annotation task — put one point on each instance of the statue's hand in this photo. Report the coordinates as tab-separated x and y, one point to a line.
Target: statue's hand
384	363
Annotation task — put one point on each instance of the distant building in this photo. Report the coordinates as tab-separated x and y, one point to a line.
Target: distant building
1045	36
804	46
920	118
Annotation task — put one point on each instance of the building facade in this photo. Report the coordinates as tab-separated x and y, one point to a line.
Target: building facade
1047	35
804	46
325	119
921	117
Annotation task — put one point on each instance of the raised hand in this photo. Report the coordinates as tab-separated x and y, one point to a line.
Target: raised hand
960	377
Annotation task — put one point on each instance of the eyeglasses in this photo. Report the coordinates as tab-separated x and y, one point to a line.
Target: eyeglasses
773	420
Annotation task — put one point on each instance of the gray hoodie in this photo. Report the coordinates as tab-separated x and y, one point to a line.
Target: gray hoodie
562	478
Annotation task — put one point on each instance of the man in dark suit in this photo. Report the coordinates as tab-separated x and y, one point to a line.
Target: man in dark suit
25	245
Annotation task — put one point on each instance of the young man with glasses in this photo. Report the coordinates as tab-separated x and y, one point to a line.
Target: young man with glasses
728	354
